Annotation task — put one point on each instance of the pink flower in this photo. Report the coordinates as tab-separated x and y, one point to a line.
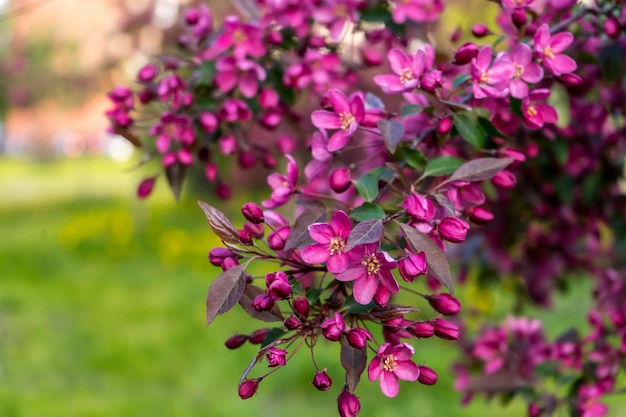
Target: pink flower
245	39
526	71
348	404
536	114
370	267
490	80
419	207
243	73
276	357
283	186
346	117
412	266
331	240
390	364
416	10
407	70
548	48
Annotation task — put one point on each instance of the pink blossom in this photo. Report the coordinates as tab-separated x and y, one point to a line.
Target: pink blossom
346	117
367	268
416	10
276	357
244	38
526	71
390	364
548	49
536	114
348	404
490	80
283	186
407	71
243	73
331	241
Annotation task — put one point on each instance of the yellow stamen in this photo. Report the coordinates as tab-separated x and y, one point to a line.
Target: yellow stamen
336	245
346	119
389	363
372	264
519	70
531	111
548	52
406	75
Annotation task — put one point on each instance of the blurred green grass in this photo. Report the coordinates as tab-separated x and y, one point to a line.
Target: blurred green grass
102	311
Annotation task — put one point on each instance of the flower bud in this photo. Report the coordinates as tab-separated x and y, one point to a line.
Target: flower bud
431	81
253	213
248	388
427	376
279	290
412	266
258	336
445	329
269	161
453	229
444	304
292	323
276	240
236	341
227	145
421	329
209	122
145	187
222	191
322	381
274	37
286	144
348	404
247	159
357	338
612	27
534	410
444	126
371	57
480	31
192	16
465	54
210	172
571	80
263	302
245	237
419	207
340	180
301	307
333	328
276	357
147	73
519	18
217	255
479	215
504	179
255	231
382	296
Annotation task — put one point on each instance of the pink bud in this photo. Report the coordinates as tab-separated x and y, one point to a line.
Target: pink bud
229	263
455	35
519	18
211	172
285	144
465	54
236	341
444	126
147	73
227	145
263	302
245	237
275	37
357	338
276	240
504	179
612	27
258	336
253	213
269	161
382	296
247	159
421	329
371	57
427	376
322	381
145	187
431	81
222	191
276	357
217	255
444	304
534	410
279	290
301	307
348	404
412	266
479	215
209	122
571	80
480	31
444	329
453	229
248	388
340	180
292	323
192	16
333	328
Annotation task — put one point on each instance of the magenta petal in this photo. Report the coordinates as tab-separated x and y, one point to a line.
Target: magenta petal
339	101
276	180
522	54
548	113
542	37
389	83
351	274
374	369
325	119
388	281
561	64
532	73
338	262
560	41
518	89
365	288
483	59
321	232
357	108
398	60
248	86
225	81
315	254
337	141
389	384
402	352
341	223
407	371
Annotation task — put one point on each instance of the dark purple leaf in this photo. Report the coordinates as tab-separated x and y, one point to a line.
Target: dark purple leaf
480	169
220	225
353	361
437	261
369	231
225	291
251	291
299	235
392	132
445	203
175	176
501	381
129	136
390	312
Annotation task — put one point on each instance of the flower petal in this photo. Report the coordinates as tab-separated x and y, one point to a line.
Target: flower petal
315	254
560	41
389	384
337	141
374	369
323	119
365	287
337	263
407	371
322	232
339	101
398	60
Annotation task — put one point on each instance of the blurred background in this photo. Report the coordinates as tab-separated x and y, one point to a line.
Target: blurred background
102	295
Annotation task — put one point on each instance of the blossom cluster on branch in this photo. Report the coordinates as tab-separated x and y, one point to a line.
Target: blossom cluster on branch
503	158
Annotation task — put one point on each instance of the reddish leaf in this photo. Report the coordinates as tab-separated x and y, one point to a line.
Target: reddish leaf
392	132
480	169
353	361
175	176
225	291
221	226
251	291
299	235
437	261
129	136
369	231
390	312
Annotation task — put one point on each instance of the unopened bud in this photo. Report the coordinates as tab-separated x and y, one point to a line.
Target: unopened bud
263	302
245	237
275	37
253	213
217	255
444	126
348	404
358	338
247	159
444	304
431	81
479	215
480	31
382	296
427	376
258	336
333	328
445	329
147	73
229	263
236	341
504	179
248	388
465	54
571	80
145	187
301	307
277	240
192	16
209	122
292	323
322	381
340	180
279	290
222	191
453	229
612	27
519	18
421	329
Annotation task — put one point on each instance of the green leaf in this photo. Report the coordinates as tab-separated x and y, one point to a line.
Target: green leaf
313	295
414	159
353	307
272	336
460	80
443	165
410	110
367	211
516	106
367	186
471	131
205	73
489	128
